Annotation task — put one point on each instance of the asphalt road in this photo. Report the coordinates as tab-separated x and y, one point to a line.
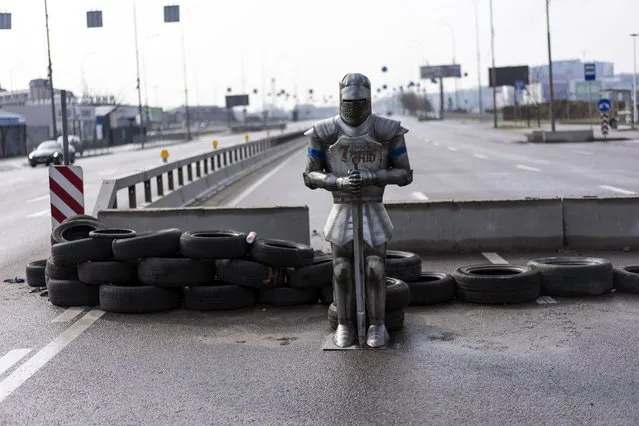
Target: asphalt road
554	361
570	362
25	222
462	162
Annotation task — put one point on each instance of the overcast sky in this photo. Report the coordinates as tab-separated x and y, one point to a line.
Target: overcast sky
303	43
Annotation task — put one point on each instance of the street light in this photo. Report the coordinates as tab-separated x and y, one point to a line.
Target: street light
552	95
634	81
452	34
478	57
493	71
172	14
46	17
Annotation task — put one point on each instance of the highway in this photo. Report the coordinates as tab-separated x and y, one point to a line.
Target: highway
25	222
569	362
463	162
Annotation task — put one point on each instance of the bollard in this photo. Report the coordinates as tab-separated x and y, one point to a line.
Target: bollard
165	155
246	137
215	143
268	133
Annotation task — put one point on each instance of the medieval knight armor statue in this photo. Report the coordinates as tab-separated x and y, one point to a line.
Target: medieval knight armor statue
354	155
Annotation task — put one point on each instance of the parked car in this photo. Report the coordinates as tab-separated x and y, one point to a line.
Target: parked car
74	141
50	152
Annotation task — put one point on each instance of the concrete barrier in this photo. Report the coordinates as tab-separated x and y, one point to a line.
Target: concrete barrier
448	226
601	223
545	136
289	223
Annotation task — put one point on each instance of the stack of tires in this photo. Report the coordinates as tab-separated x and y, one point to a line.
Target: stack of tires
127	272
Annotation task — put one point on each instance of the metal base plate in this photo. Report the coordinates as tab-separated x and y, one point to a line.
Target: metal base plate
329	345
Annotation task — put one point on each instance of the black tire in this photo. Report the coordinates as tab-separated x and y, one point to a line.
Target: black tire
81	216
282	253
164	243
98	273
175	272
286	296
497	284
218	298
72	293
35	273
112	234
138	300
394	319
627	279
73	230
225	244
319	274
326	295
397	294
247	273
61	268
574	276
84	250
432	288
403	265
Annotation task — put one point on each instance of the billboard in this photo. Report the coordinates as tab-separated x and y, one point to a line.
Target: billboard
236	100
508	76
440	71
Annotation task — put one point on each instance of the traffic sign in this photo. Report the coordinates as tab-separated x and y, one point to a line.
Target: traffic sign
590	72
604	105
520	85
67	193
605	124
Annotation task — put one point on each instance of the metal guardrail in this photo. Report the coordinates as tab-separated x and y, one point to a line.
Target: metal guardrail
188	170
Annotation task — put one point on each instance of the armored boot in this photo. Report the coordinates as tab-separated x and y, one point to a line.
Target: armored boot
345	335
377	335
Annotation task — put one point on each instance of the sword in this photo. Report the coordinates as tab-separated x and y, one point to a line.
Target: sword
358	255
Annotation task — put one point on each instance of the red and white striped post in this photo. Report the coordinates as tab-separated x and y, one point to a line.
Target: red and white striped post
67	192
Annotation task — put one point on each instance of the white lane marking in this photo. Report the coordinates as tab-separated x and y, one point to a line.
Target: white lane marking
619	190
69	314
527	168
550	299
436	143
235	201
107	172
419	196
11	358
41	213
480	156
36	199
452	148
543	300
46	354
582	151
495	258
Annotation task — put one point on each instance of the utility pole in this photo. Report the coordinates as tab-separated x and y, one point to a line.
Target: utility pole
55	127
634	81
493	71
552	95
186	90
481	108
137	65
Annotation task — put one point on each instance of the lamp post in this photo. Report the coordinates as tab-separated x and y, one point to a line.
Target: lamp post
172	14
552	95
54	123
452	34
493	71
634	80
481	105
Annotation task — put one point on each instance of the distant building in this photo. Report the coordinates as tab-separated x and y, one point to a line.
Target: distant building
34	104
